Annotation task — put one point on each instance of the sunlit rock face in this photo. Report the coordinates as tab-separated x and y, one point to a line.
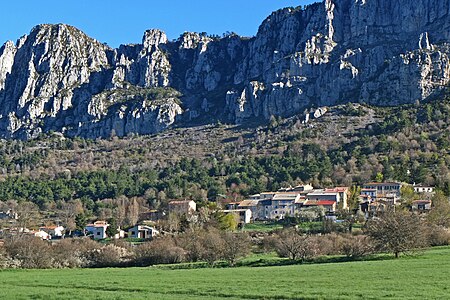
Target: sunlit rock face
382	52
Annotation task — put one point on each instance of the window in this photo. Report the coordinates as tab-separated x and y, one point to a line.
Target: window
133	233
98	232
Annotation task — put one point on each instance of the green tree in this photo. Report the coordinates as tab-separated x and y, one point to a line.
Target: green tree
379	177
229	221
80	221
112	229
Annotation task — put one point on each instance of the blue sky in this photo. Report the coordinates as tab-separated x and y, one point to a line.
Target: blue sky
121	22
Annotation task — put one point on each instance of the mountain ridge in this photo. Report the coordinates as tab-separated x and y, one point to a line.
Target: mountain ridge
373	51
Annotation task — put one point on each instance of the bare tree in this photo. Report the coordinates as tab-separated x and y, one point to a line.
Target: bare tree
356	246
212	246
132	212
28	213
190	241
68	212
292	244
440	212
30	251
397	232
236	245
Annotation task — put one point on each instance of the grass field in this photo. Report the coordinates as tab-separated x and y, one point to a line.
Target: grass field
418	277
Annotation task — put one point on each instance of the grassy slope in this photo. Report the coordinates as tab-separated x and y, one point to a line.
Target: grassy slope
421	277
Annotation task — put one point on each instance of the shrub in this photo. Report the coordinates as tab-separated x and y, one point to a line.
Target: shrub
329	244
66	254
107	256
159	251
292	244
236	245
31	252
356	246
438	236
212	246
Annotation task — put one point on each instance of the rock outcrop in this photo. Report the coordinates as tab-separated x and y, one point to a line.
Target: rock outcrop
382	52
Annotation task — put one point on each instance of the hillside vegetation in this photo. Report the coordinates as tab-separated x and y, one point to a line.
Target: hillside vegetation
350	145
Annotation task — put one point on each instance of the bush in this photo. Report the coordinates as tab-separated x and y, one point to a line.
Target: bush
159	251
236	245
356	246
329	244
292	244
438	236
71	253
191	243
108	256
30	252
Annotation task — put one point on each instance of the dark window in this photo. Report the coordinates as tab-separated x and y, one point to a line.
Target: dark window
98	232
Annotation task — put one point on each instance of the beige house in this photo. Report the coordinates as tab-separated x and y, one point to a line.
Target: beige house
298	188
263	196
251	205
282	205
184	207
377	206
421	205
329	206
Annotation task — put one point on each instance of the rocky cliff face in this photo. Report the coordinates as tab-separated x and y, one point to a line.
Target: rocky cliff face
383	52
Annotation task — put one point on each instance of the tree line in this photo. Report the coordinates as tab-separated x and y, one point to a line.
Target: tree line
394	231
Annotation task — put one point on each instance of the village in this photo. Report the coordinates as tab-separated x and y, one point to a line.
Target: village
300	201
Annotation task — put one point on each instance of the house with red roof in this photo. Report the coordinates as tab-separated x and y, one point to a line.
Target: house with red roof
328	205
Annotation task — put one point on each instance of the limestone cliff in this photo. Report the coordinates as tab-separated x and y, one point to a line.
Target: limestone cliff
383	52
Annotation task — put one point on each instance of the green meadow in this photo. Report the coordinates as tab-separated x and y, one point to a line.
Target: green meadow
425	276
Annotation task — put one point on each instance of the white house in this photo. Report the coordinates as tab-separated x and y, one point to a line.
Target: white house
54	231
385	188
371	193
98	229
41	234
343	194
142	232
8	215
422	189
